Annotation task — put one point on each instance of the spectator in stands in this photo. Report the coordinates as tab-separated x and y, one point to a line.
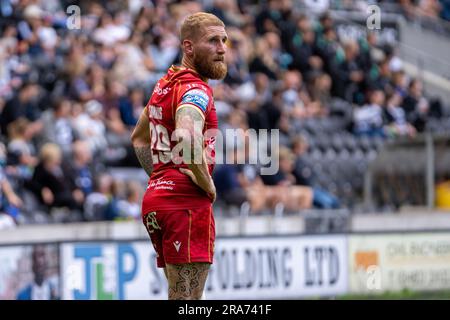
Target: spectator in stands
269	17
416	106
131	106
305	175
237	70
112	210
23	104
10	203
295	97
97	201
88	121
305	53
400	83
383	78
368	119
259	196
260	109
429	8
445	13
238	181
229	187
329	49
396	123
318	6
58	127
165	47
391	54
117	132
50	185
286	129
285	189
228	12
90	86
134	66
348	75
320	90
9	64
130	207
21	150
79	169
263	59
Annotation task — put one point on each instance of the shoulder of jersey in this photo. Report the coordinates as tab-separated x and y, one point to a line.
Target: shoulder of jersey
188	76
197	97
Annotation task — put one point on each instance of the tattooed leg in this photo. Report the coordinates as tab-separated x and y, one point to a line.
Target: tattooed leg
187	281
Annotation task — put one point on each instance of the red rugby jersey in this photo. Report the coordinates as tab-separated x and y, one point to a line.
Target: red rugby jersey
168	188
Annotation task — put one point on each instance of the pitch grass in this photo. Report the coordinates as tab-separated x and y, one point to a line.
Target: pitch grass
402	295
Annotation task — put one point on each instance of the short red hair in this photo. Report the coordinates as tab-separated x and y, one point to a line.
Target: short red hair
193	25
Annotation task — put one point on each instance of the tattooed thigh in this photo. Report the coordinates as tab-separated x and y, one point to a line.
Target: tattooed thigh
187	281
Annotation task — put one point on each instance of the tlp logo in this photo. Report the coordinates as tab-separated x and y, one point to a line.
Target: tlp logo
102	272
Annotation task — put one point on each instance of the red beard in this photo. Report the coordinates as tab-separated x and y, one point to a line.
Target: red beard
209	68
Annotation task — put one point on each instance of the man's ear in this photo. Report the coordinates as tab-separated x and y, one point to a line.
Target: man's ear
188	47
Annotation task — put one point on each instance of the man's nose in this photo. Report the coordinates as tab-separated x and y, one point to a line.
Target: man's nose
222	48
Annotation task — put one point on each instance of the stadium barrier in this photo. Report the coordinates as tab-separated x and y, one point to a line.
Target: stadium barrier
114	260
398	261
244	268
405	171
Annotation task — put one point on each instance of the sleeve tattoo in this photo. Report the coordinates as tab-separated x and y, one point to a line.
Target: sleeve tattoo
144	155
191	119
141	140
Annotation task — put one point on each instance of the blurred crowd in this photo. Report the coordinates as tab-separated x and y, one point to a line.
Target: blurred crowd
70	95
412	9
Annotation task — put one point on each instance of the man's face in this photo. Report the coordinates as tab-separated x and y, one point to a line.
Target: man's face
209	53
39	264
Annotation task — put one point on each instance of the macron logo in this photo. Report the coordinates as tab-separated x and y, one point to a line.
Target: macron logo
177	245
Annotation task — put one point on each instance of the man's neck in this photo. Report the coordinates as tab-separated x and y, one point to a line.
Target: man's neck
187	63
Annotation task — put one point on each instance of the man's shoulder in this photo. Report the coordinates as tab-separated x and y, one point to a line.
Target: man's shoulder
188	78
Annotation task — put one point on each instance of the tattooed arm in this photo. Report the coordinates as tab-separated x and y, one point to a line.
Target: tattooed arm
189	123
141	141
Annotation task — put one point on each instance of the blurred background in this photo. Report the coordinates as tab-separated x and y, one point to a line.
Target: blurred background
363	117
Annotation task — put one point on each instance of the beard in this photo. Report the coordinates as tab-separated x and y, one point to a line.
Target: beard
209	68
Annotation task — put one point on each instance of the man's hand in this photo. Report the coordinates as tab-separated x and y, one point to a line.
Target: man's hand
78	195
210	189
15	201
47	195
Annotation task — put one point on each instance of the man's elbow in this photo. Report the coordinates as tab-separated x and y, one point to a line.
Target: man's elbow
139	139
134	138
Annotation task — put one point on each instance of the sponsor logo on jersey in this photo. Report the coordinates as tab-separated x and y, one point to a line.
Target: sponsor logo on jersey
197	97
159	91
156	112
162	184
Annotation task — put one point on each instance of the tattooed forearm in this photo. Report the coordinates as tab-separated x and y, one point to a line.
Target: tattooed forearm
189	119
144	155
189	125
141	140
